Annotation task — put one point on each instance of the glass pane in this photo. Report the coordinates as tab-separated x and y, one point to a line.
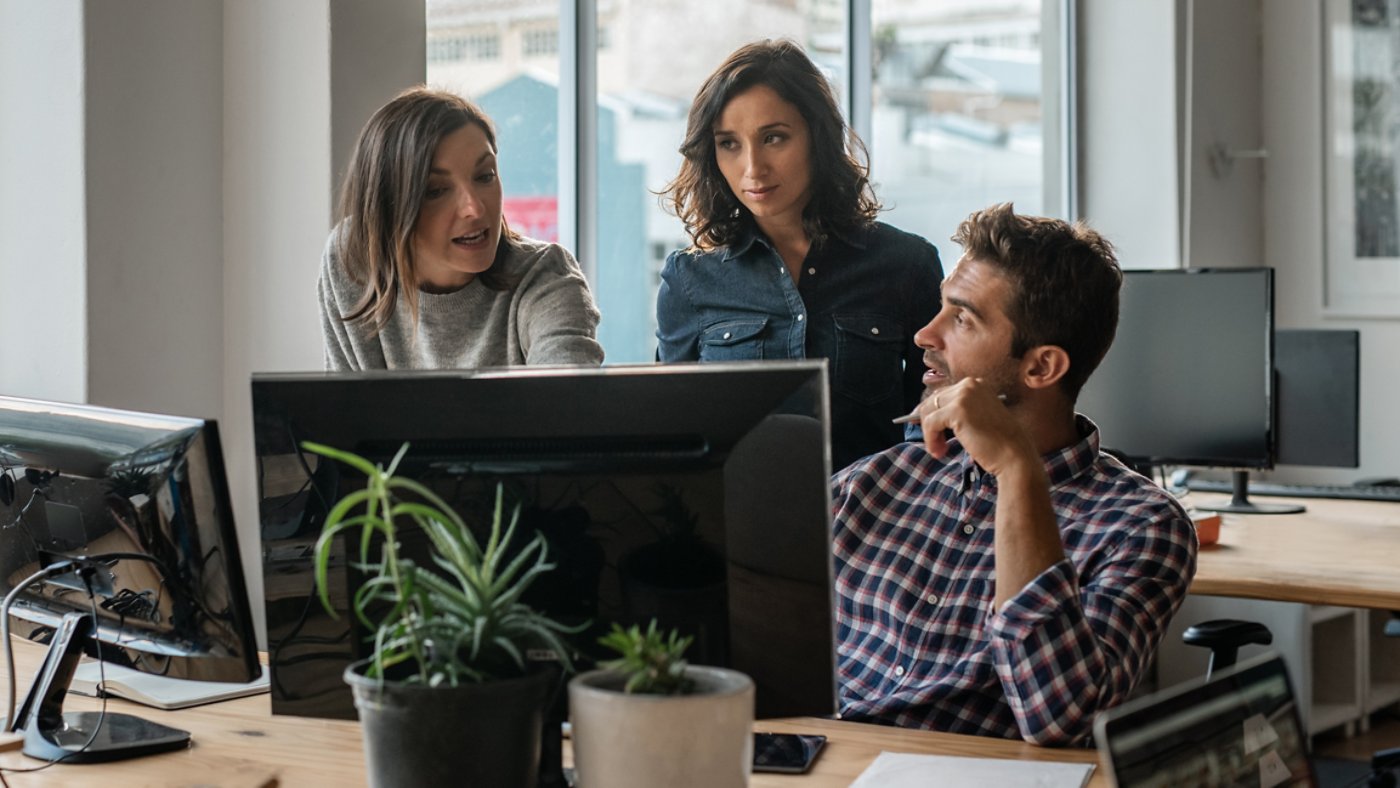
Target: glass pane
960	119
505	57
652	57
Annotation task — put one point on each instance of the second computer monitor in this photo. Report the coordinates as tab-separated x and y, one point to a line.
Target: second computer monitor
1189	378
1319	385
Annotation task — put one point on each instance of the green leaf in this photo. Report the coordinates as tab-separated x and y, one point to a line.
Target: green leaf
457	619
353	460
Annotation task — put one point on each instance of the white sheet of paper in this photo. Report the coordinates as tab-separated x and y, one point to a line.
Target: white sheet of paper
907	770
1272	770
1258	734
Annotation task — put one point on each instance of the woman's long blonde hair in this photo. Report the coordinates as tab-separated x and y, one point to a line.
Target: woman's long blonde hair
383	193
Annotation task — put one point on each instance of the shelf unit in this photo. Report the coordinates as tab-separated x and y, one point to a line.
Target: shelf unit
1342	666
1382	665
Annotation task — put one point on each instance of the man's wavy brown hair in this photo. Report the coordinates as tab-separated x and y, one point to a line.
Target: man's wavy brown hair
1065	281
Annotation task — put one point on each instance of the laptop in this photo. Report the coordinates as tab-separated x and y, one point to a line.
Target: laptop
1239	728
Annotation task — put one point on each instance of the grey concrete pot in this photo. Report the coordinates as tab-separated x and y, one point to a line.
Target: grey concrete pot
701	740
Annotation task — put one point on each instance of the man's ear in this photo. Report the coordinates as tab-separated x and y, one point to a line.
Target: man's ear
1043	366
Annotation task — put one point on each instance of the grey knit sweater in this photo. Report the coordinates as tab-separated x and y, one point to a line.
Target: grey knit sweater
547	317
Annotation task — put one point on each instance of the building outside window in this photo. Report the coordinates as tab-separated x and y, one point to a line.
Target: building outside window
535	43
960	112
447	48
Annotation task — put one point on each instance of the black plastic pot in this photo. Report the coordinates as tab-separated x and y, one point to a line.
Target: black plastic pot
471	735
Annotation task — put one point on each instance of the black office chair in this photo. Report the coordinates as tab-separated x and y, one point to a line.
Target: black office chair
1224	637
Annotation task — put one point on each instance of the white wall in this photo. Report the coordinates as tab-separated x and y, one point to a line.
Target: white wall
1223	208
43	248
1128	143
277	211
154	138
169	170
300	79
1294	223
1255	71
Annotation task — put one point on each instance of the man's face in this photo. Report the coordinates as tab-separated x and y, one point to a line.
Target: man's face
971	335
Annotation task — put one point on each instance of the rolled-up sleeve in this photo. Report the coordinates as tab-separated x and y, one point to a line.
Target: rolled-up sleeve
1068	646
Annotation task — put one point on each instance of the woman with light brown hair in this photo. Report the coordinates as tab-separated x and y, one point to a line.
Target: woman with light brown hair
422	271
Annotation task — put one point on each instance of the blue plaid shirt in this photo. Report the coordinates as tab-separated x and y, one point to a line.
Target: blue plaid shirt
919	641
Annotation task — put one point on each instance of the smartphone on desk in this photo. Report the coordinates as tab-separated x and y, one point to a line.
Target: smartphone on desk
790	753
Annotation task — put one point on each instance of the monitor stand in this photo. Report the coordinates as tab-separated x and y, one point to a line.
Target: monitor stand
50	734
1240	504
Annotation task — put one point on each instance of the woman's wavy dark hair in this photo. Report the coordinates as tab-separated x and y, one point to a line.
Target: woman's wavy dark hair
840	187
383	193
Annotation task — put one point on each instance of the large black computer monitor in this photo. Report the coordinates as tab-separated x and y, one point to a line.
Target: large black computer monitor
1189	379
126	517
695	494
1319	397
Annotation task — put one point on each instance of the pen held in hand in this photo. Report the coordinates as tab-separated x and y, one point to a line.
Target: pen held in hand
913	416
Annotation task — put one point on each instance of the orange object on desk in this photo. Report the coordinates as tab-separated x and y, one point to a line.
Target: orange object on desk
1207	527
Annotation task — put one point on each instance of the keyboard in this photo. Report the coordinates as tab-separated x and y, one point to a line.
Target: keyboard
1347	491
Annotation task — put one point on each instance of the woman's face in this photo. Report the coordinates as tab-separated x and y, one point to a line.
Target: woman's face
459	223
762	147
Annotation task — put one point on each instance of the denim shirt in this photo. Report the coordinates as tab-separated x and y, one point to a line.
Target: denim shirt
858	302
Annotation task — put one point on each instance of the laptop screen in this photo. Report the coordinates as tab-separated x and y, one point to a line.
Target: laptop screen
1240	728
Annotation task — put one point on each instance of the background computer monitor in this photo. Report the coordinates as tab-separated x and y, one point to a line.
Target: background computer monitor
1319	397
695	494
128	514
1189	379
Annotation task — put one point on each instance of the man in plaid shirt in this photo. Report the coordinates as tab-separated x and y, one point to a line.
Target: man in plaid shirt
1004	576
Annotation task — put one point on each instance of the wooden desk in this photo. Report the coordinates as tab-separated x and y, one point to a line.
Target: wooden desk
239	743
1338	552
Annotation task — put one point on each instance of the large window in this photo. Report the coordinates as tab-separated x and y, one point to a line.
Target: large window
517	87
958	104
966	111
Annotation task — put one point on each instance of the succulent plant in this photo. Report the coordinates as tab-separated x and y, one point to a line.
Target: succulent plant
464	622
651	661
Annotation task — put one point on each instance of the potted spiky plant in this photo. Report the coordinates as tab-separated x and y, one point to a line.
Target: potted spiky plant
647	718
445	696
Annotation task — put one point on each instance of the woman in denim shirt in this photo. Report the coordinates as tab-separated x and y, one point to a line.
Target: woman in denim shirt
787	259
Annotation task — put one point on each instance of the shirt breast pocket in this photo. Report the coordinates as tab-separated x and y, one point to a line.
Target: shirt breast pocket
733	340
868	366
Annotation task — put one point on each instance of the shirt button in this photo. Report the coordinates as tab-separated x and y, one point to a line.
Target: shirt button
811	270
968	529
899	670
727	335
800	317
875	330
933	599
